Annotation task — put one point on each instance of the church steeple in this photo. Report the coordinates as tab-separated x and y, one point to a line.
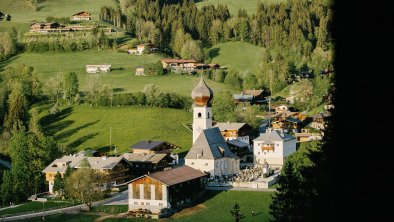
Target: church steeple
202	94
202	111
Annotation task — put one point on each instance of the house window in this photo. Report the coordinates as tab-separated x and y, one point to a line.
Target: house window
208	115
142	203
147	203
135	203
258	153
265	153
277	144
206	164
192	163
199	115
160	204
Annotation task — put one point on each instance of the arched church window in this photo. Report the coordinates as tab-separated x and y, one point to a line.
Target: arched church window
199	115
208	115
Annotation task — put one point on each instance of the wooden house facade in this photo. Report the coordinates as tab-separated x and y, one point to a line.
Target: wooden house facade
82	16
151	147
165	189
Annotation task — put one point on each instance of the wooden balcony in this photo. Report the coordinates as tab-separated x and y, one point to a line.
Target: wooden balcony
264	148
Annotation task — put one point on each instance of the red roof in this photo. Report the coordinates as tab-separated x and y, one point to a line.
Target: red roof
82	14
178	60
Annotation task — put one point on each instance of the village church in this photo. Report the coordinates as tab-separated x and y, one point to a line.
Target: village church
210	152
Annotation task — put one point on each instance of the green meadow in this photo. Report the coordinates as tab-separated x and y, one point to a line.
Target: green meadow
249	5
57	8
122	77
216	206
81	126
240	56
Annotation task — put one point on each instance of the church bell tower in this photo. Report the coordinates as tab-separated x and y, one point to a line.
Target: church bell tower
202	110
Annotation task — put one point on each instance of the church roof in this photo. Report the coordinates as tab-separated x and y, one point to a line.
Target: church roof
274	135
202	94
210	144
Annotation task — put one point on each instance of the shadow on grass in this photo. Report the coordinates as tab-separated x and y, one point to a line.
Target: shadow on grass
81	140
70	132
118	90
48	121
214	52
7	62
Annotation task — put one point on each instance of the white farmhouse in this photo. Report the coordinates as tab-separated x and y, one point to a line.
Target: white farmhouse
273	147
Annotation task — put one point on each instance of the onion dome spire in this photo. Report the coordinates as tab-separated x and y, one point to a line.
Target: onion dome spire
202	94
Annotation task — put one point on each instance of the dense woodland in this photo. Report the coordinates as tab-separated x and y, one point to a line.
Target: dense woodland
294	35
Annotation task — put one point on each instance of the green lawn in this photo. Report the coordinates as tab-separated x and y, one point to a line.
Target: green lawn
83	127
57	8
34	206
240	56
235	5
215	207
121	77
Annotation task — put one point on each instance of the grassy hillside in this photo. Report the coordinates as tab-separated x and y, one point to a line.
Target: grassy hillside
122	77
82	127
235	5
57	8
240	56
215	207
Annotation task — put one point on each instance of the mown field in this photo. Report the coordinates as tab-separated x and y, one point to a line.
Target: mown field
215	207
81	127
122	77
249	5
240	56
57	8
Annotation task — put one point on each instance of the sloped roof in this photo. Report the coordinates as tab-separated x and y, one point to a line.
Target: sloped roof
243	96
209	145
82	14
179	60
177	175
274	135
102	162
237	143
229	126
146	144
253	92
143	157
71	160
5	164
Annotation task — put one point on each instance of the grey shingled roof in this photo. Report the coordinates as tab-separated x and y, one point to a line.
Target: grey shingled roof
5	164
229	126
146	144
143	157
177	175
274	135
71	160
101	162
208	144
237	143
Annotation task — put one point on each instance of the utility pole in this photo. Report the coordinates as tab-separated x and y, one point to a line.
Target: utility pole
110	139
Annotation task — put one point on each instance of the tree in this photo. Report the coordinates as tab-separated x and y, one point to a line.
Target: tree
6	188
55	86
232	79
34	126
284	206
17	109
58	184
236	213
216	31
250	82
192	49
224	107
71	85
248	114
152	93
85	184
